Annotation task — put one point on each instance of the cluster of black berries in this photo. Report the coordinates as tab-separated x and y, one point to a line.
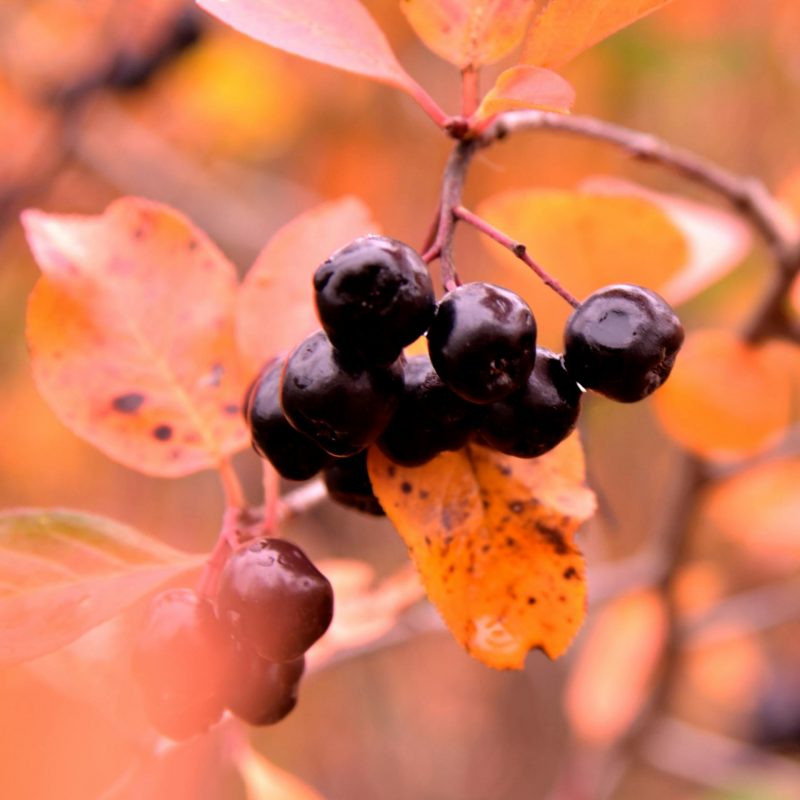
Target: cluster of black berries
193	660
484	379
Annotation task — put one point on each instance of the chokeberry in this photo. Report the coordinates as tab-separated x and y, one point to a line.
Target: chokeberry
536	419
293	454
348	484
429	419
622	342
340	402
482	341
374	297
274	600
181	660
262	692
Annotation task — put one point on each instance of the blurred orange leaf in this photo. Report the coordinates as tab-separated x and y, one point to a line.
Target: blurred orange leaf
565	28
727	673
365	611
586	240
64	572
788	193
264	781
725	399
276	299
340	33
612	675
717	240
759	509
527	87
131	336
469	33
491	537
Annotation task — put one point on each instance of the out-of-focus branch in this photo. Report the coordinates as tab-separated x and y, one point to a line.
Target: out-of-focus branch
747	195
718	762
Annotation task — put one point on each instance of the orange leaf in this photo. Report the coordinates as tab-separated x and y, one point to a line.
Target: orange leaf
469	33
759	509
527	87
491	537
131	336
565	28
725	399
717	240
340	33
612	675
585	240
64	572
276	299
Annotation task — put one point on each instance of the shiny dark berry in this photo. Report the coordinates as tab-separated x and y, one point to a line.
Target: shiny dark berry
348	484
181	660
430	418
536	419
622	342
482	342
262	692
338	401
374	297
274	600
293	454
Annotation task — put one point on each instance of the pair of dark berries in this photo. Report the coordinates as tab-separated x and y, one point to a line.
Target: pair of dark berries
349	386
193	659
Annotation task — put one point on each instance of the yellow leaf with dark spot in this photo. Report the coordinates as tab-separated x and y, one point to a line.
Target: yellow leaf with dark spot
492	538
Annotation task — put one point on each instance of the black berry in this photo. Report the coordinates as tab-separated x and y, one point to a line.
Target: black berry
262	692
181	661
430	418
482	342
338	401
348	484
622	342
274	600
374	297
536	419
293	454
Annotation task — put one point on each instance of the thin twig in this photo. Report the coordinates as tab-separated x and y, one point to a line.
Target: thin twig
517	248
452	187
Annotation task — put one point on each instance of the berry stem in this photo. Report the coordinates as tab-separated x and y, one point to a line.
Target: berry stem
517	248
470	90
271	497
231	485
452	187
226	541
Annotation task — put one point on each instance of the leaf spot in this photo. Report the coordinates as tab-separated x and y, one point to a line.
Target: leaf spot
162	432
128	403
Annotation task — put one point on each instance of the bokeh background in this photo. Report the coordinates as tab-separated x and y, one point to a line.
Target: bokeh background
242	138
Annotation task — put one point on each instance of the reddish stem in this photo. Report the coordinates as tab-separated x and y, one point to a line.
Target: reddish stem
271	499
231	485
427	103
452	187
517	248
226	541
470	91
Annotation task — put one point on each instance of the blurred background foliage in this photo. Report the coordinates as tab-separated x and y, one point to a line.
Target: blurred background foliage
242	138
